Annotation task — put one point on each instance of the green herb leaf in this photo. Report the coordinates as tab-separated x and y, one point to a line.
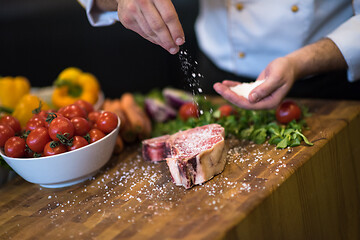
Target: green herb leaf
283	143
304	138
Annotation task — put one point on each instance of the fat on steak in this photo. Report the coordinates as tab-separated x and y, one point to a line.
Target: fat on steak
154	149
193	156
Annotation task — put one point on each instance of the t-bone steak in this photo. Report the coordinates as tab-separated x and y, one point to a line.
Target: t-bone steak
193	156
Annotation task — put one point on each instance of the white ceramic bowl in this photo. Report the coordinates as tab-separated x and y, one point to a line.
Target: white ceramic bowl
68	168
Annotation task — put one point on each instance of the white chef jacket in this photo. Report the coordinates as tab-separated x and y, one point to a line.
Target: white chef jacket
244	36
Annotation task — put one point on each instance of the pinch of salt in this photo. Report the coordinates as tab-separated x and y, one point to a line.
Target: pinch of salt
244	89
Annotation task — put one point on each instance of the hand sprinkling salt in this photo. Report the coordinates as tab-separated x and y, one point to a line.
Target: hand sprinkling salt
244	89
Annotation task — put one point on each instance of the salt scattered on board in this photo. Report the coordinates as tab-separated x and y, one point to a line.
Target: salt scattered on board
244	89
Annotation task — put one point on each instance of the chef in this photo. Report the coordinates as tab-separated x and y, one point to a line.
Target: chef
279	41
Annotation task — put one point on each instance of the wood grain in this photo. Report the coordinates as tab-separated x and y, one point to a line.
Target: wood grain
263	193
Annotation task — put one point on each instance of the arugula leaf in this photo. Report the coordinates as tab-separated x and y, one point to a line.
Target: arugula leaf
259	135
246	133
304	138
294	142
283	143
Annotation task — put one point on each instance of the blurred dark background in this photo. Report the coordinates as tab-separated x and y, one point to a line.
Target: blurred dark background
40	38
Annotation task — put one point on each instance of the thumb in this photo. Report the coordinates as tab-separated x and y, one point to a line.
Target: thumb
264	90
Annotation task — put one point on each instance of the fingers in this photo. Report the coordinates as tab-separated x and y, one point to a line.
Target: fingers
158	26
230	83
280	76
171	19
224	90
155	20
263	90
141	27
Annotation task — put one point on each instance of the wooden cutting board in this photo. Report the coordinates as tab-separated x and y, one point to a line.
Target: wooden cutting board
263	193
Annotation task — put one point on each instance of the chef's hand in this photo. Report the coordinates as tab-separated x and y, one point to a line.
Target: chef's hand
279	77
155	20
280	74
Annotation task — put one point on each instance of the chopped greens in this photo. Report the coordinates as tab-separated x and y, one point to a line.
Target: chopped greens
254	125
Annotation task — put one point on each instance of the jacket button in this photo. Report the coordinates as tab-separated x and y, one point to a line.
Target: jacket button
241	54
239	6
294	8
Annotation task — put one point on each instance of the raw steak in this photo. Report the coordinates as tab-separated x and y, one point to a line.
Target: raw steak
193	156
154	149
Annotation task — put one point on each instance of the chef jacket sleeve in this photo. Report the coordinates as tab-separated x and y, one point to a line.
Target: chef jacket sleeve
96	17
347	39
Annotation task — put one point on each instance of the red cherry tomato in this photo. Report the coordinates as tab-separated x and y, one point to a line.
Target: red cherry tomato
95	135
287	111
188	110
78	142
85	105
72	111
15	147
61	125
107	122
6	132
37	139
45	115
81	125
50	151
11	122
226	110
94	116
35	122
42	114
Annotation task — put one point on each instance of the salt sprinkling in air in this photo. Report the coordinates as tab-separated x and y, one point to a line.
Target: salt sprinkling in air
192	76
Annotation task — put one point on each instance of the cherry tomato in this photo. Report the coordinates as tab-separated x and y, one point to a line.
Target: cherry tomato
78	142
50	151
6	132
88	107
95	135
287	111
226	110
37	139
107	122
35	122
72	111
93	117
61	125
11	122
42	114
81	125
15	147
188	110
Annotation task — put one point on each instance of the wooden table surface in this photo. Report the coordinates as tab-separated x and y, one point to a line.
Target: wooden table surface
264	193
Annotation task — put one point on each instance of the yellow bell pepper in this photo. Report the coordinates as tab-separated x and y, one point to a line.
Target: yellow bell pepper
23	110
73	84
12	89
